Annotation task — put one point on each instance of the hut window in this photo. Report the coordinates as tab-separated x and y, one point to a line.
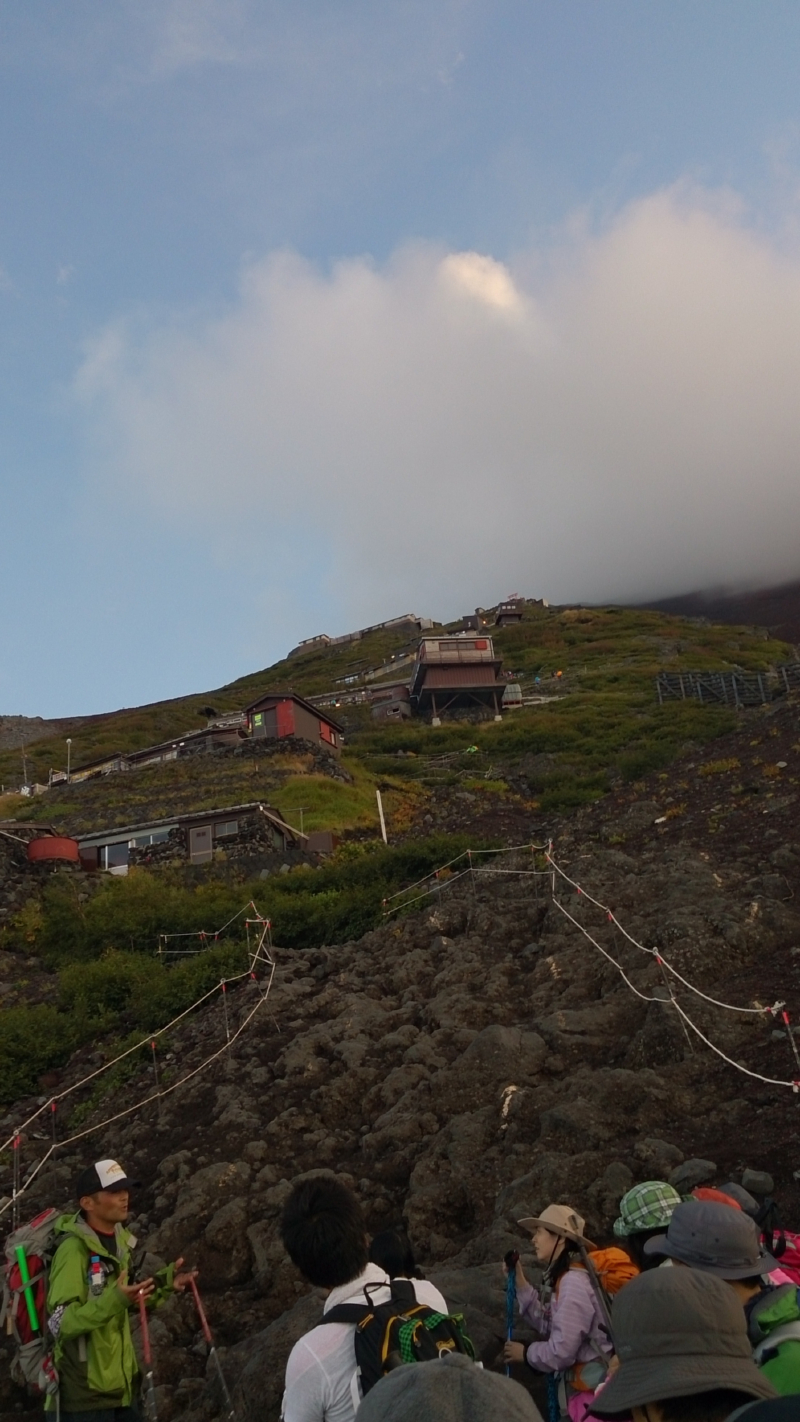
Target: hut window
228	827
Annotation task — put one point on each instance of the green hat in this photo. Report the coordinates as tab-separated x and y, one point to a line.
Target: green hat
646	1206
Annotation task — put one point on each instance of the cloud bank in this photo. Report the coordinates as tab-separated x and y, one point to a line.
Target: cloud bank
615	417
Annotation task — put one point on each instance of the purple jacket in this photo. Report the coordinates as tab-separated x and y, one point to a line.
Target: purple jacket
572	1323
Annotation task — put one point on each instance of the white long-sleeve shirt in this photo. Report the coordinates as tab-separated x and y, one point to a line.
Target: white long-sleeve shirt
321	1371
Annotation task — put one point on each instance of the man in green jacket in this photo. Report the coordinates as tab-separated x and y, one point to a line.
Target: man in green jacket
89	1298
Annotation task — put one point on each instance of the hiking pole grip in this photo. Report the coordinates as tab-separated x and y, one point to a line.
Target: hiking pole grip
201	1313
27	1290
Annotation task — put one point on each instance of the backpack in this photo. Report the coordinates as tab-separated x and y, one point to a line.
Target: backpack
781	1243
612	1268
399	1331
609	1270
32	1365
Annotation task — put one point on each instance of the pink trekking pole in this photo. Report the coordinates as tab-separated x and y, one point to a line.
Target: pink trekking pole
212	1352
149	1386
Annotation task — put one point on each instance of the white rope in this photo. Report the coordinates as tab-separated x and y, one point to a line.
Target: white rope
146	1100
602	950
654	952
465	853
151	1036
768	1080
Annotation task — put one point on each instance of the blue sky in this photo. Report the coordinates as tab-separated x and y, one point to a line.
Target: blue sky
243	396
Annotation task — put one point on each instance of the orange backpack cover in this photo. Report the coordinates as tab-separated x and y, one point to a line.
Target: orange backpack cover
612	1266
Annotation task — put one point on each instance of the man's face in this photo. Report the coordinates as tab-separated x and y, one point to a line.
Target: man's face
106	1208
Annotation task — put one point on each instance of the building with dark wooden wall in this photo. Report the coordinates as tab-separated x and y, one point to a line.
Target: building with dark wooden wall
456	673
283	713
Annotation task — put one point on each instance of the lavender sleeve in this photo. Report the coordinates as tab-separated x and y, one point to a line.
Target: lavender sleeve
573	1320
531	1308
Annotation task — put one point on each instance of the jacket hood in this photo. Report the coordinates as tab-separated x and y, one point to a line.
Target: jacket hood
771	1310
74	1224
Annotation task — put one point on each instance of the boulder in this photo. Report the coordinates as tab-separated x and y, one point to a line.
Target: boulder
758	1182
692	1172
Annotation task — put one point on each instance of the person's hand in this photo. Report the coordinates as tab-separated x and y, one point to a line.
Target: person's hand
514	1352
133	1292
522	1282
180	1280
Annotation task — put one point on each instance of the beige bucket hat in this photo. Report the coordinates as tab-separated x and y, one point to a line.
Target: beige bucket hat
560	1219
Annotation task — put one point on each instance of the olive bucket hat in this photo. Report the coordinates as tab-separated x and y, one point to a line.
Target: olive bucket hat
678	1333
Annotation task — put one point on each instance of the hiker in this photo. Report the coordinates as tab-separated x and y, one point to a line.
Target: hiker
718	1240
89	1295
324	1234
644	1212
391	1250
683	1351
567	1310
453	1390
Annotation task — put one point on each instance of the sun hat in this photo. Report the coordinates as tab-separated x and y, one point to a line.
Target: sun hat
451	1389
714	1238
560	1219
678	1333
646	1206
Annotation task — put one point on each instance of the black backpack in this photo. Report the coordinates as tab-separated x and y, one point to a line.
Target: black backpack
399	1331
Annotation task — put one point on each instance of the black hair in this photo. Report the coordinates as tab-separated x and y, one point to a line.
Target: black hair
392	1251
634	1245
563	1260
323	1231
712	1406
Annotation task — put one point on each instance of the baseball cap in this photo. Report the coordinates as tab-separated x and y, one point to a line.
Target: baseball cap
449	1389
103	1175
678	1333
646	1206
714	1238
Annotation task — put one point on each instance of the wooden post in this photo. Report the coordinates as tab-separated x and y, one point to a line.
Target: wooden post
380	812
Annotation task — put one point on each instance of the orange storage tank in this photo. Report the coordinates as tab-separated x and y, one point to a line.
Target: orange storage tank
53	846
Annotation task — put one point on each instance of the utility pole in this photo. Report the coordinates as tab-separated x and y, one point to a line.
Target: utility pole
24	764
69	754
300	809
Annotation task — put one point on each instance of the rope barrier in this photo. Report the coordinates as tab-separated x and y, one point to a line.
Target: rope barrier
50	1104
654	953
139	1105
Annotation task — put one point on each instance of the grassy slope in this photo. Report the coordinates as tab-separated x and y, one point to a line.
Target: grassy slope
608	723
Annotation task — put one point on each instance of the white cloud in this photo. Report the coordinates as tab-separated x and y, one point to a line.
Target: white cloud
623	422
187	33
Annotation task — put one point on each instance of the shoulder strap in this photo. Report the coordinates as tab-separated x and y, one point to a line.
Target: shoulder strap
346	1313
403	1292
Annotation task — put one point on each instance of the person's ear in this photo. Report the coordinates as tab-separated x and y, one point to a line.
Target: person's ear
86	1202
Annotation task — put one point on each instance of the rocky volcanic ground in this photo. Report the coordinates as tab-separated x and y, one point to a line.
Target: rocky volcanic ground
475	1060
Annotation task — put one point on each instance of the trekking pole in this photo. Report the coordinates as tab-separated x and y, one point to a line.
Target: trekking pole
599	1291
212	1352
511	1261
150	1391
